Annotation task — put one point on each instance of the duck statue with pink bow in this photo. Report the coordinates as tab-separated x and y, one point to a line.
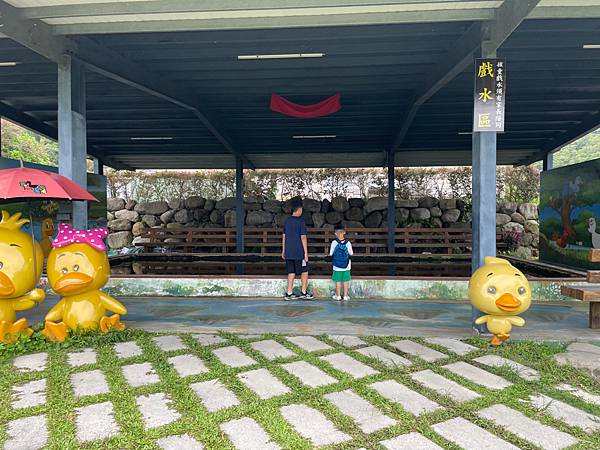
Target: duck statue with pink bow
77	269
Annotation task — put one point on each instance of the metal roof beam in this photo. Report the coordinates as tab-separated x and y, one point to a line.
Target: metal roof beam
39	37
507	18
590	124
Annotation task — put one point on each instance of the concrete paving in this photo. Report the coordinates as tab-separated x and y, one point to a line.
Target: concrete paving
141	374
95	422
27	395
444	386
35	362
214	395
263	383
313	425
271	349
309	343
384	356
233	357
187	365
347	340
89	383
169	343
527	373
368	418
469	436
27	433
568	414
348	365
415	349
410	441
247	434
308	374
81	358
411	401
179	442
454	345
156	410
478	376
125	350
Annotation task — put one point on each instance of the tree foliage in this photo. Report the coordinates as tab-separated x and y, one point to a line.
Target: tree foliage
20	143
584	149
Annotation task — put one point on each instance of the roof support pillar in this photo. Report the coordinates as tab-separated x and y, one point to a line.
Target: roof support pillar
391	216
239	207
484	149
548	161
72	152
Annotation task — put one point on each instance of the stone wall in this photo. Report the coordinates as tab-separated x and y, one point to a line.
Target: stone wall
126	220
520	226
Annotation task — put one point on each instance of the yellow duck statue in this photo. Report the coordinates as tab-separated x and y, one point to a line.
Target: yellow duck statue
21	261
77	269
501	291
47	233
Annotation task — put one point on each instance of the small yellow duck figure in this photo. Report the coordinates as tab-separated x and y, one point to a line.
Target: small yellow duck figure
47	233
21	261
77	269
501	291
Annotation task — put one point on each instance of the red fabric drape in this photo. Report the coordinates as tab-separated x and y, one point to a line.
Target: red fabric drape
324	108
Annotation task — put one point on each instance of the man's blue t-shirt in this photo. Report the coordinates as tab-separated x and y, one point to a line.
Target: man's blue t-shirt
293	228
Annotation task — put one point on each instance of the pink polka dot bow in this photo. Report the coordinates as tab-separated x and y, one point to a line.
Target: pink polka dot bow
68	235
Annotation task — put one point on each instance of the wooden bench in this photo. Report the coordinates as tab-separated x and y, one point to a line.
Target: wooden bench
264	241
587	293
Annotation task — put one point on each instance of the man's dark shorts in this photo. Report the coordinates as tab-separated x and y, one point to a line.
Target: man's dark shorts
295	266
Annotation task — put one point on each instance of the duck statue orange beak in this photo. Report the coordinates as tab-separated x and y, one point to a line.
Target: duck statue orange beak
508	302
72	282
6	285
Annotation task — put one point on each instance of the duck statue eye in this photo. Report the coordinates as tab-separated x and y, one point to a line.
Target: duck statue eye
1	264
75	268
522	290
64	270
491	290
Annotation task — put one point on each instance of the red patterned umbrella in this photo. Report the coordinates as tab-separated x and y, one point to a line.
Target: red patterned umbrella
25	183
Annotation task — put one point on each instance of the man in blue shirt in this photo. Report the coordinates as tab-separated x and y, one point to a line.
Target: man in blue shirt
295	252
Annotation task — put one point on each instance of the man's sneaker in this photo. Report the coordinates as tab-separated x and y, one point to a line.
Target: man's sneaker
306	296
336	297
291	296
346	298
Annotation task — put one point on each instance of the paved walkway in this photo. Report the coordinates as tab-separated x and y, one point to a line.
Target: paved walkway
348	374
360	317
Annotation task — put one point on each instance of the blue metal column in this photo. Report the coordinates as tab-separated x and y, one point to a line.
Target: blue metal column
548	161
72	151
239	204
391	215
484	203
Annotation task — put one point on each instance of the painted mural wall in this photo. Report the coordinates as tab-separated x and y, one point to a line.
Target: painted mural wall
570	215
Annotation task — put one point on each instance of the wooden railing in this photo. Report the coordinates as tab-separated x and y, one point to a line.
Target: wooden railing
267	241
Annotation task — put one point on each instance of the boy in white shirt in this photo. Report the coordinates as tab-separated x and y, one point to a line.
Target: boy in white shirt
340	251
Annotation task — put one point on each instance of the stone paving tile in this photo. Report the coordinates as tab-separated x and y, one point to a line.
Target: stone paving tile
411	401
594	399
308	374
89	383
368	418
263	383
169	343
28	433
527	373
478	376
187	365
141	374
410	441
384	356
247	434
313	425
179	442
233	357
469	436
248	336
569	414
444	386
416	349
347	340
95	422
208	339
156	410
528	429
35	362
454	345
271	349
214	395
26	395
129	349
309	343
348	365
85	356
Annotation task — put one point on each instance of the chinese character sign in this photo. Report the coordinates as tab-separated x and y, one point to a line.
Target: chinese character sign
490	94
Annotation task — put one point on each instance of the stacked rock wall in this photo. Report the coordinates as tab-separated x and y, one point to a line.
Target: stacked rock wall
127	219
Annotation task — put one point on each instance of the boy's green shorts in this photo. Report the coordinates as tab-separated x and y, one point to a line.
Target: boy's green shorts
340	276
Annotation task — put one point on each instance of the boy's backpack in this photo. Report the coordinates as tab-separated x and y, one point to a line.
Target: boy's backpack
341	257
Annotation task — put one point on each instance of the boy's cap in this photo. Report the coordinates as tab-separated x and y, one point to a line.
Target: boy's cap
339	228
296	204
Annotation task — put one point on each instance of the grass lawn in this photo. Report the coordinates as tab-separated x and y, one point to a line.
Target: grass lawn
197	422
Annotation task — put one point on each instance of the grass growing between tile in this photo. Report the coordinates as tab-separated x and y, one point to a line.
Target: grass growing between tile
204	426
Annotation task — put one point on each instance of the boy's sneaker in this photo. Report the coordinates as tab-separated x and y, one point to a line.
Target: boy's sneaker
346	298
337	297
291	296
306	296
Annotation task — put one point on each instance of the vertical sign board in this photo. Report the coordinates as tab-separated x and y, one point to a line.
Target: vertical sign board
490	94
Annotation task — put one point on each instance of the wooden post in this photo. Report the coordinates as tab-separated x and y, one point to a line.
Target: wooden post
594	315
